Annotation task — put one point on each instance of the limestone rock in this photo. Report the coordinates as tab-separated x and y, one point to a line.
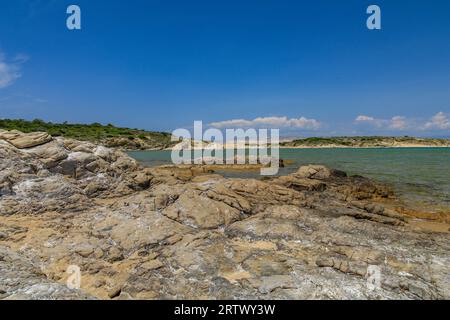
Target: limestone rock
20	279
25	140
314	172
174	233
201	212
300	184
50	154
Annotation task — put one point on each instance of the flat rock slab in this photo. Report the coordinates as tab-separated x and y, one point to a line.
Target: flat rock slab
22	140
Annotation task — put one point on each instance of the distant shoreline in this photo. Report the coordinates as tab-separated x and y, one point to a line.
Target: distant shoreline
367	142
357	142
368	147
137	139
316	147
328	147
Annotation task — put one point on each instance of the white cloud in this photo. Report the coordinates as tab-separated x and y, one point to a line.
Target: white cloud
364	118
270	122
439	121
379	123
10	71
398	123
395	123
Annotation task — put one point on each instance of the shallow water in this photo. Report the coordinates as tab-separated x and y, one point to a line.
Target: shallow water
418	175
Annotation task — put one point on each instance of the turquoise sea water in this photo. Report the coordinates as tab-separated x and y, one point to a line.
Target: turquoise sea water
418	175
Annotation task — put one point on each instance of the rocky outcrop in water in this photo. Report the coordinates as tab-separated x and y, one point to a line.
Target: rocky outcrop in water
168	232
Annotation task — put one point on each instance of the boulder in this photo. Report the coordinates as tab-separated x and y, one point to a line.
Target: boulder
318	172
300	184
50	154
25	140
201	212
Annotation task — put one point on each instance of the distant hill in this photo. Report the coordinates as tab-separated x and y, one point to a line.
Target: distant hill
109	135
136	139
366	142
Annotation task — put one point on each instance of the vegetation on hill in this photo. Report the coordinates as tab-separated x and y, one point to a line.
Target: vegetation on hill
107	134
136	139
370	141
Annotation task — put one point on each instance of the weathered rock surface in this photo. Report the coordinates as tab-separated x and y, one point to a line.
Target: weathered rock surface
22	280
21	141
186	233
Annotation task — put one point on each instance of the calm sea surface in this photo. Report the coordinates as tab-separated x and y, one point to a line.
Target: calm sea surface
420	176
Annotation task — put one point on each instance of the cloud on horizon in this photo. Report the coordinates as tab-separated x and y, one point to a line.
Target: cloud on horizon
395	123
439	124
440	121
270	122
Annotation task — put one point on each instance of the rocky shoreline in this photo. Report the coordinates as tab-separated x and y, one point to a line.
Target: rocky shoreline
187	233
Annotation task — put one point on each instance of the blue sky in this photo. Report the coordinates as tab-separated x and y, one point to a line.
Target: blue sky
308	67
